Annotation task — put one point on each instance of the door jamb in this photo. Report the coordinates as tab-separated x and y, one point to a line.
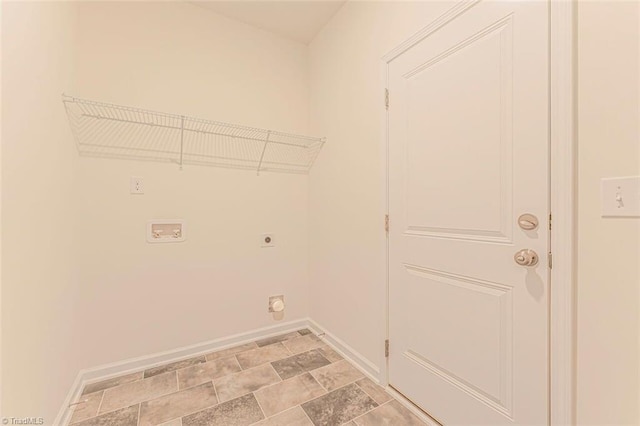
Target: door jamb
563	153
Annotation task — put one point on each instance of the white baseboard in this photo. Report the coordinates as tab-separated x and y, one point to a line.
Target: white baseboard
360	361
107	371
64	415
132	365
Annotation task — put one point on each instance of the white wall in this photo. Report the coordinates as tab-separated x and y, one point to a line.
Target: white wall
608	249
139	298
39	352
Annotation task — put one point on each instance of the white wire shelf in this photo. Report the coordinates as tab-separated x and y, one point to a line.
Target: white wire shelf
116	131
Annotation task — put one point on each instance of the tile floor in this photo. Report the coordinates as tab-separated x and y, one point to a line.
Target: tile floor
292	379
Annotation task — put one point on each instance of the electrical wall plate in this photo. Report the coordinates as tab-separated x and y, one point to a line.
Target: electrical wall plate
272	300
621	197
136	185
166	231
267	240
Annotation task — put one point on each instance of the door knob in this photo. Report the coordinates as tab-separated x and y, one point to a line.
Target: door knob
528	222
526	257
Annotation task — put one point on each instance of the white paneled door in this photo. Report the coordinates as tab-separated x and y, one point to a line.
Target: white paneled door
468	128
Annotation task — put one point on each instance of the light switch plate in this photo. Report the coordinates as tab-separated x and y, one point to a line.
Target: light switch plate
621	197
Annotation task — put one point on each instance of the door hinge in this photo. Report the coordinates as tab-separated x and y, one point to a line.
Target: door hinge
550	221
386	223
386	348
550	260
386	98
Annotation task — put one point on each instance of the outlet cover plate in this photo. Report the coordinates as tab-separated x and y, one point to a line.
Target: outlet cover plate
136	185
267	240
273	299
166	231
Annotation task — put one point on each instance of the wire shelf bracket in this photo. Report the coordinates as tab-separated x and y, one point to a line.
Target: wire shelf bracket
115	131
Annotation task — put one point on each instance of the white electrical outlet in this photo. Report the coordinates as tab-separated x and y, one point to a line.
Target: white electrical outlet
267	240
136	185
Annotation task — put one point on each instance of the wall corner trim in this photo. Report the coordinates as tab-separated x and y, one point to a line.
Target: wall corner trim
367	367
563	206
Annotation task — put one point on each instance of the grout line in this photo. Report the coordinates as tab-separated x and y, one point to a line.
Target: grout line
206	357
305	413
317	381
270	365
293	406
75	407
238	361
197	411
139	409
139	402
175	369
215	391
371	396
181	368
367	412
100	405
264	415
354	382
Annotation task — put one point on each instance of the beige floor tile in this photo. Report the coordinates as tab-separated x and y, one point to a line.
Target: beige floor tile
141	390
391	413
123	417
225	353
243	411
110	383
298	364
336	375
340	406
255	357
284	395
201	373
303	343
177	404
292	417
235	385
376	392
87	409
240	386
329	353
174	366
174	422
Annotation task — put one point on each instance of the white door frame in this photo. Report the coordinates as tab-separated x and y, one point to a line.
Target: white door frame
562	198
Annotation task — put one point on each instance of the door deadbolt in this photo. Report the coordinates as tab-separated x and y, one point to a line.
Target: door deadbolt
526	257
528	222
